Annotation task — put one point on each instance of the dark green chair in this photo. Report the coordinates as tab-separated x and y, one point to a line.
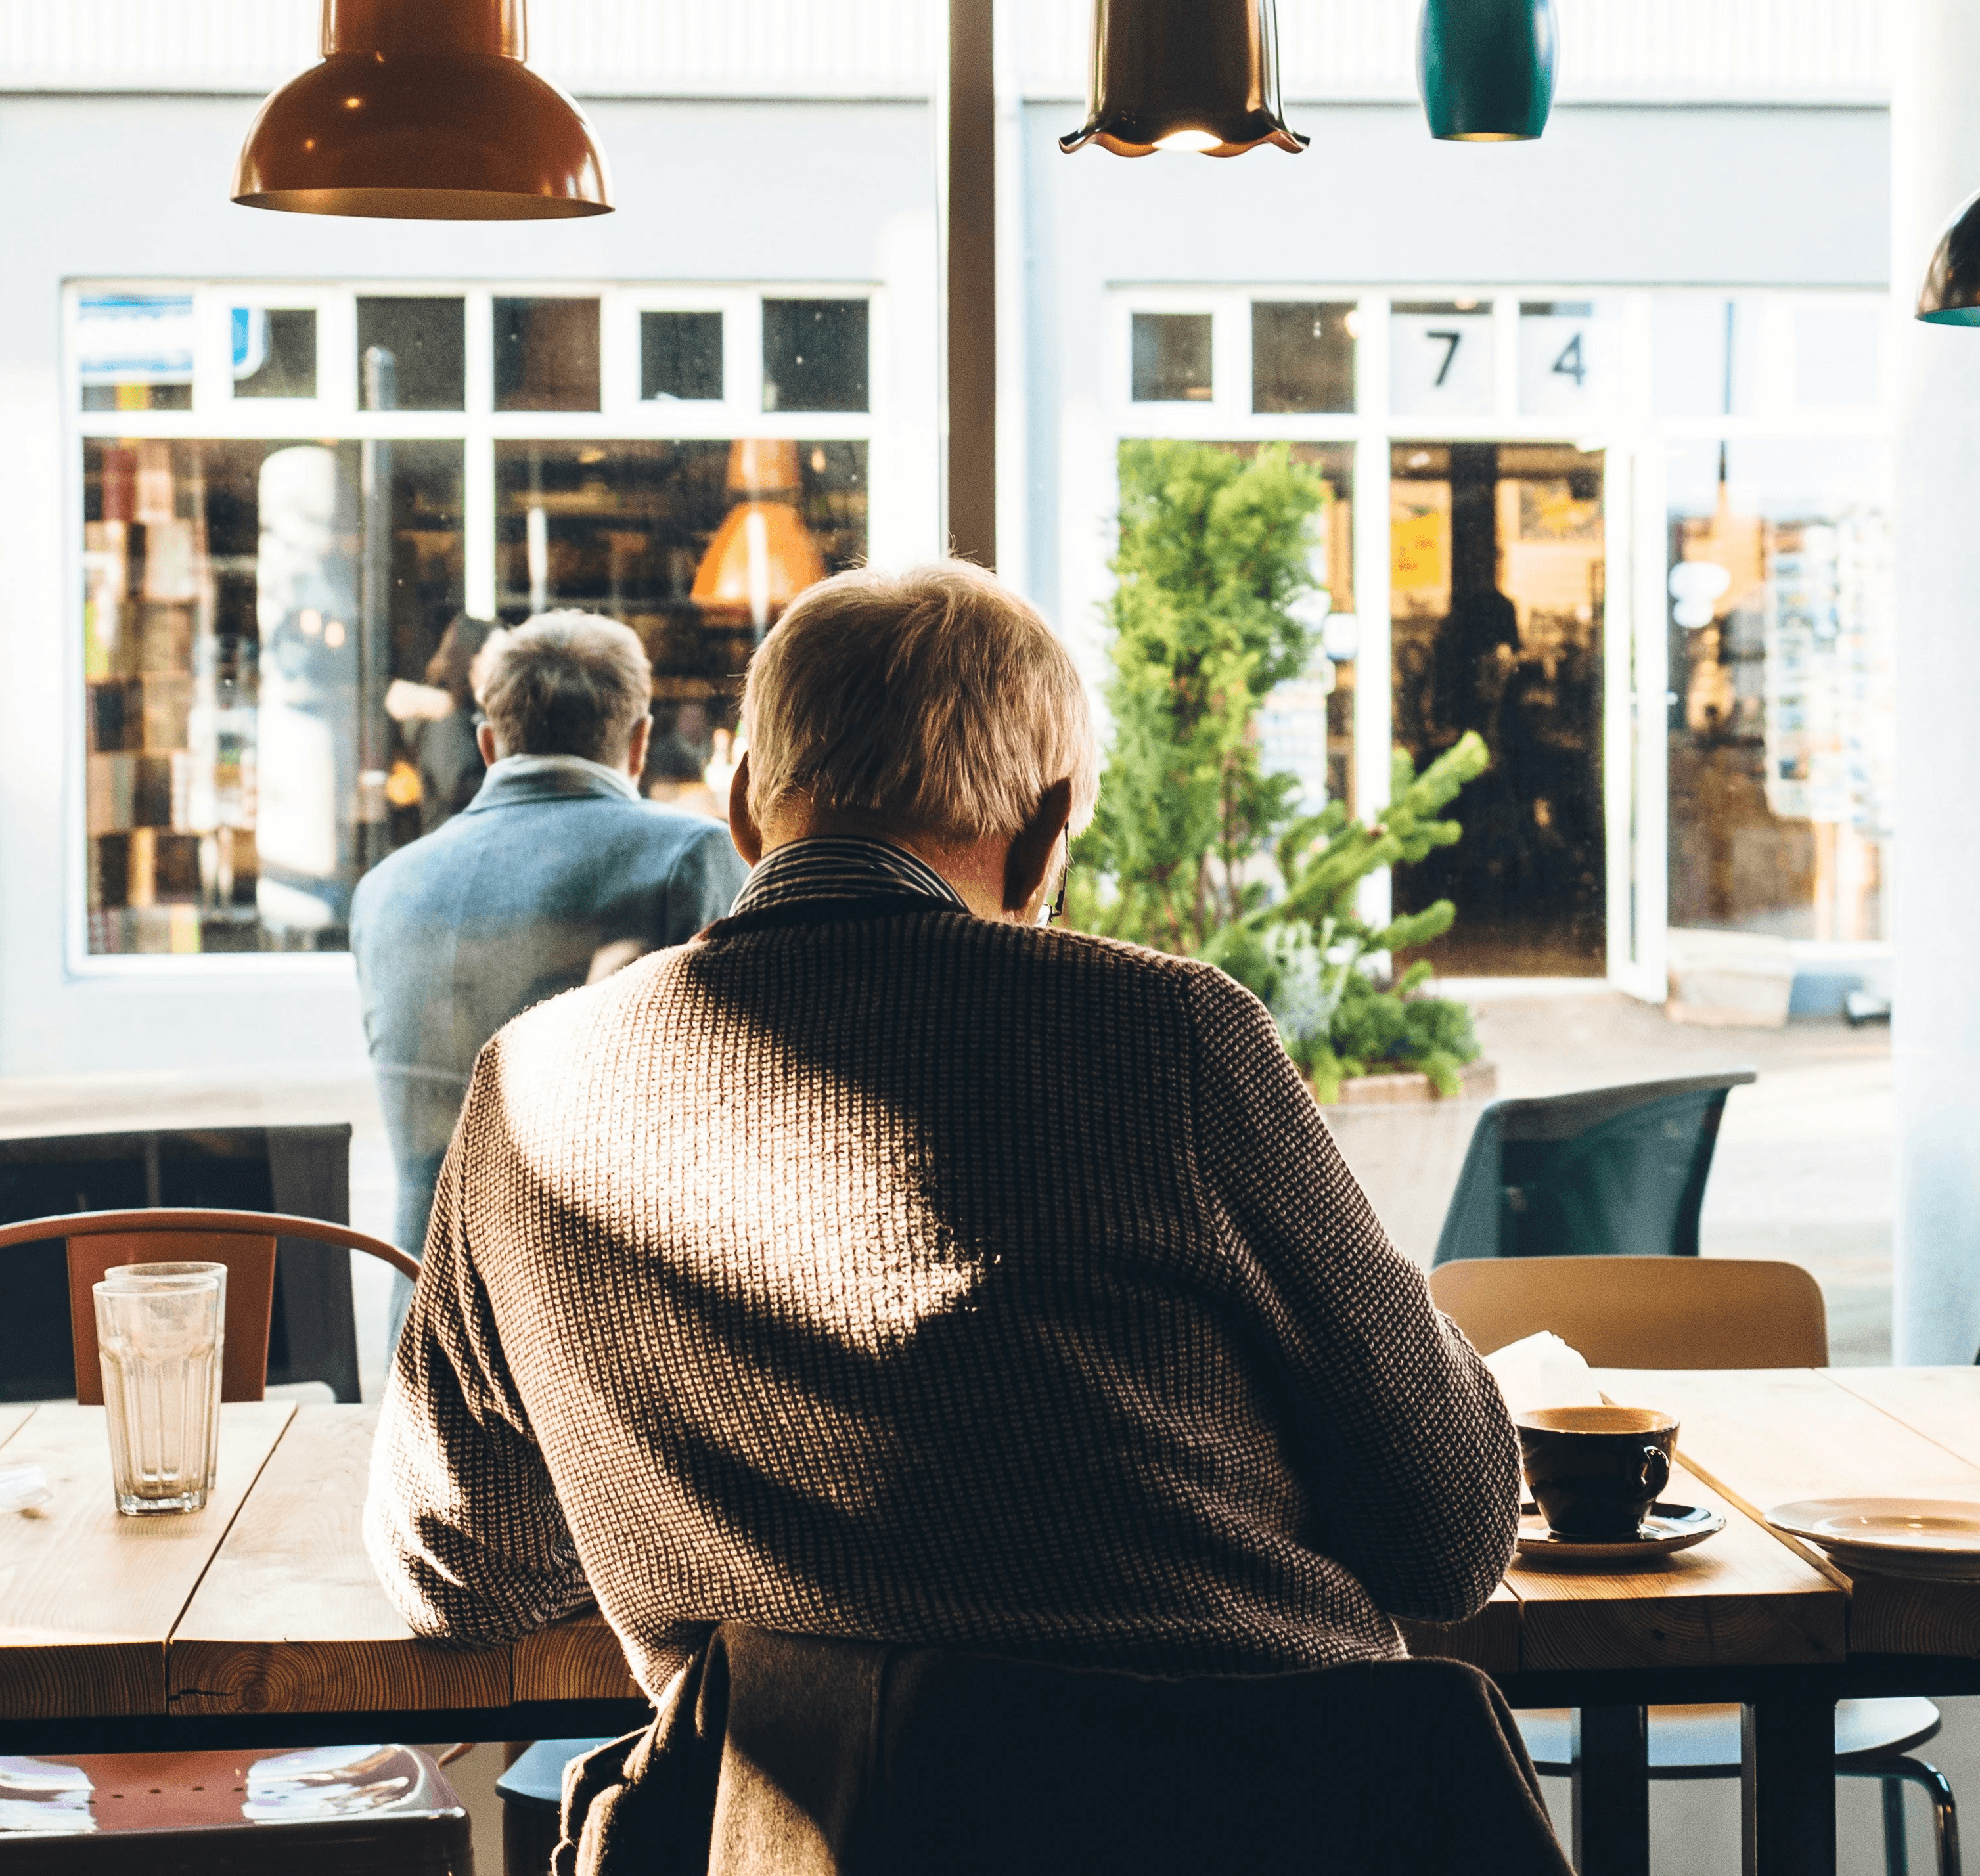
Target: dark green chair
1606	1172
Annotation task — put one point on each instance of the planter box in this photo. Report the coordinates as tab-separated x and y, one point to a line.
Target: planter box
1480	1079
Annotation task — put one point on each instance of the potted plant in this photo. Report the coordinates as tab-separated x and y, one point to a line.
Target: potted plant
1207	617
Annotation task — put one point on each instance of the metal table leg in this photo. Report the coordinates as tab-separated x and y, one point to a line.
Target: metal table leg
1612	1792
1787	1787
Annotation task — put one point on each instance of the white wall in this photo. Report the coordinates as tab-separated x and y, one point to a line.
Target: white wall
123	186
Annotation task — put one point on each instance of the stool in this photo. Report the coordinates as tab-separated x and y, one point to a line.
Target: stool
532	1794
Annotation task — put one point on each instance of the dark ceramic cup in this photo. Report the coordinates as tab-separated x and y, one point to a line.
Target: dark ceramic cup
1596	1471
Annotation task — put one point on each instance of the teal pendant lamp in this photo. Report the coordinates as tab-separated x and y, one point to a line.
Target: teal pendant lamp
1183	75
1950	294
1485	68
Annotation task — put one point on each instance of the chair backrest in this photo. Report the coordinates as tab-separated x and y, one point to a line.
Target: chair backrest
1644	1312
244	1241
1611	1171
807	1754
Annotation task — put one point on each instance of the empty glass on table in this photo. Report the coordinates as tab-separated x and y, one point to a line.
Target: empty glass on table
160	1335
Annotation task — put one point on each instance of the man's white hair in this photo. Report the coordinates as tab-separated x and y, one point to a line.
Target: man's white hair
934	698
564	683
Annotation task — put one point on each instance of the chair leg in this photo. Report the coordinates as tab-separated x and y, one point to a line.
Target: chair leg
1895	1773
1897	1854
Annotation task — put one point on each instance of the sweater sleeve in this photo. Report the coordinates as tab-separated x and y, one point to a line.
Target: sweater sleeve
1400	1430
461	1521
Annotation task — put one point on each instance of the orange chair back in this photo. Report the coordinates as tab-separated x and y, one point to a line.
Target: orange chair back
250	1296
244	1241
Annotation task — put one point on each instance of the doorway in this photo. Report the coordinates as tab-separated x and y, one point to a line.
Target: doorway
1496	592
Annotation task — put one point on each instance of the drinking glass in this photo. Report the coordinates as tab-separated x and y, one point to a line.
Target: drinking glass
160	1335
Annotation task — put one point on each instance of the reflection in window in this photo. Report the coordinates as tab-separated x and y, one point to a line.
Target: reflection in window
135	351
1783	734
1171	358
697	545
422	348
545	355
815	354
245	610
680	357
1302	356
274	352
1496	579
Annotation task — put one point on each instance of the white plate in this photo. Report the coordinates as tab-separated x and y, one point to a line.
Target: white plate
1935	1540
1667	1528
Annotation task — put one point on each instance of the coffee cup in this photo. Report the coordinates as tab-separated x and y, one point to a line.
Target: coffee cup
1595	1471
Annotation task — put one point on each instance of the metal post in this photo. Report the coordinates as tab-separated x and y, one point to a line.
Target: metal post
1787	1787
1612	1792
966	167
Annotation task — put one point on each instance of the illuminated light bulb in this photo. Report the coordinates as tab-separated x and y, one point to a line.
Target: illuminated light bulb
1197	140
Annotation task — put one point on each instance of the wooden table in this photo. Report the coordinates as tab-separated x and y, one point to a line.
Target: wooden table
258	1621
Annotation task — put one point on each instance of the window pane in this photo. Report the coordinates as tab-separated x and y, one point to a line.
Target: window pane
274	352
815	355
1782	661
1171	358
697	545
1567	364
1440	358
135	351
545	355
420	348
680	356
242	770
1302	355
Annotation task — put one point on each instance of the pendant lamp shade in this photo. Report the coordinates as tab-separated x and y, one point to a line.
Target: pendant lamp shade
423	109
1183	75
761	558
1485	68
1950	294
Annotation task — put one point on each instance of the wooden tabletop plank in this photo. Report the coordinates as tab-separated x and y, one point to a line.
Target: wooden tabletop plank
1941	1403
1766	1437
576	1659
291	1618
1739	1599
1490	1640
87	1598
14	1415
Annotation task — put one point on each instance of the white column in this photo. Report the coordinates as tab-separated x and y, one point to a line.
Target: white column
1937	1037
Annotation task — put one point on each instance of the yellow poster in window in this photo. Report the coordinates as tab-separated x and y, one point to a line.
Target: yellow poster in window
1418	552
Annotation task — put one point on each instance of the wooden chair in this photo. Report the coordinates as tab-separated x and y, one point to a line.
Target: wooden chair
1702	1312
386	1809
1607	1170
244	1241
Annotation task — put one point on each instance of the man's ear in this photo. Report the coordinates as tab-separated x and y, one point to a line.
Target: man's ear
636	747
484	741
1031	851
743	828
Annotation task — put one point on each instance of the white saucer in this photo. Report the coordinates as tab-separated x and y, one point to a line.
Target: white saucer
1937	1540
1667	1528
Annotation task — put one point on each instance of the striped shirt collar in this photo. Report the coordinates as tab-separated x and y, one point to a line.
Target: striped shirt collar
840	867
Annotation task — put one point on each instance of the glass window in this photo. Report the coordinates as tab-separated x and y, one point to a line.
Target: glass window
1783	657
545	355
1498	562
1567	362
248	605
1835	355
1440	358
1704	351
412	354
680	357
1302	355
274	351
815	354
1171	358
698	545
135	351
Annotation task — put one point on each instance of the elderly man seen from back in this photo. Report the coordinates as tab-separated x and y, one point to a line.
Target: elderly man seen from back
555	872
885	1263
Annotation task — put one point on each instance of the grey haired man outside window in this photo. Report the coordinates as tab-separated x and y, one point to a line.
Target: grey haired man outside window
557	873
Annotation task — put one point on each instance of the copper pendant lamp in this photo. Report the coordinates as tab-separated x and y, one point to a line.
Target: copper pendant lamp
1951	293
763	556
423	109
1183	75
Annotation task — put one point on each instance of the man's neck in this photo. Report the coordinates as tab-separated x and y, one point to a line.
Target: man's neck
976	871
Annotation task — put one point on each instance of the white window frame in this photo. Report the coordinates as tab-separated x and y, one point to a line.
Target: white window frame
217	415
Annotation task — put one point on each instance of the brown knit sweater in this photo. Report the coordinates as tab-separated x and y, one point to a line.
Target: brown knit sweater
875	1270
